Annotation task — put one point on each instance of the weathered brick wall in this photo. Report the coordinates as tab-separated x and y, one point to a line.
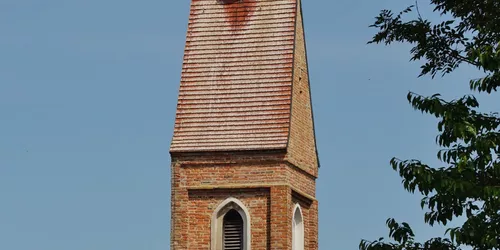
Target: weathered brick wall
301	181
202	204
264	182
302	144
179	210
227	175
281	219
245	174
313	225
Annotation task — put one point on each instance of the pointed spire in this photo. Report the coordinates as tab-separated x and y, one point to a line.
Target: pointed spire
244	66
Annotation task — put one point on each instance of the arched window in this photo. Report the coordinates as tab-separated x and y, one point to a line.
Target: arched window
230	226
297	229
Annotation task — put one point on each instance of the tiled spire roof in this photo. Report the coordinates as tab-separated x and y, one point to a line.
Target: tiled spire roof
237	74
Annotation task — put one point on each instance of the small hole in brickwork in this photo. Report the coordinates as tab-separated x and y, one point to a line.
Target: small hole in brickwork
228	1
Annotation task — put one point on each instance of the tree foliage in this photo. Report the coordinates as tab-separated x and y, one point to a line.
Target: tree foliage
468	182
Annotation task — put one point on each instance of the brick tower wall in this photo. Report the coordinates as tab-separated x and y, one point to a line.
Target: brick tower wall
266	184
244	125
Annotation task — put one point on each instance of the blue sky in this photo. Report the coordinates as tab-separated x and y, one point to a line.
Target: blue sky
88	92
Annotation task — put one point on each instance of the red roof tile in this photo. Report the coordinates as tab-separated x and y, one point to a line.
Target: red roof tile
236	82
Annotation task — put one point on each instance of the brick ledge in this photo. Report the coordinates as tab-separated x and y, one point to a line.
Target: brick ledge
250	186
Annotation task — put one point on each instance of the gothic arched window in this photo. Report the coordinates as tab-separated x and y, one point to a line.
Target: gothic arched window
230	226
297	229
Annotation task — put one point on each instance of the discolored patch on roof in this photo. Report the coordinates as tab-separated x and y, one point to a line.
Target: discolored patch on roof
236	84
238	12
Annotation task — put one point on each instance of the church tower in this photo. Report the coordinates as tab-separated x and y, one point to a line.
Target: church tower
244	159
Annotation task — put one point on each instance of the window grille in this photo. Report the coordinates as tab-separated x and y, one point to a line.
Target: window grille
233	231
